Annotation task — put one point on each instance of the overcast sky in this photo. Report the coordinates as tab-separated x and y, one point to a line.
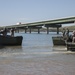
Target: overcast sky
27	11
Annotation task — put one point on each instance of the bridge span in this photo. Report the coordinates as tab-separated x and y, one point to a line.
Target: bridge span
57	23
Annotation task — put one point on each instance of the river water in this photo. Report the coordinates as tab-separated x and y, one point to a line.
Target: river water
36	56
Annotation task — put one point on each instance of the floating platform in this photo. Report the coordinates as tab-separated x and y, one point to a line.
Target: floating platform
70	46
10	41
59	41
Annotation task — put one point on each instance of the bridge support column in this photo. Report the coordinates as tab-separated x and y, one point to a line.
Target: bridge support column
18	30
57	30
25	30
38	30
30	30
47	30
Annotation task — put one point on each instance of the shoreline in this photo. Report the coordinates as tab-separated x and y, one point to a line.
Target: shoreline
62	63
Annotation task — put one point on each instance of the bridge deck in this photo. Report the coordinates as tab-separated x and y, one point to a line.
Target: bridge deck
49	22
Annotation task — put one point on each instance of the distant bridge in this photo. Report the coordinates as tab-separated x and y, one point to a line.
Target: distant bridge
57	23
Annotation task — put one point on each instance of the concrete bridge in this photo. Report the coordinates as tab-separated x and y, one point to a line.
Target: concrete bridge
57	23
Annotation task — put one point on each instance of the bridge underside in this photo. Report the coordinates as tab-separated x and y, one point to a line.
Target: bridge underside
40	27
53	26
